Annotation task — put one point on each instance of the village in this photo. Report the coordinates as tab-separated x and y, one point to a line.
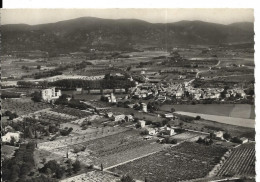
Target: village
98	104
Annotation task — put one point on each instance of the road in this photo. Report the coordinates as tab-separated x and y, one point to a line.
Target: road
197	75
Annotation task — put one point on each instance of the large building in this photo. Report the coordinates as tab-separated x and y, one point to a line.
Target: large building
50	94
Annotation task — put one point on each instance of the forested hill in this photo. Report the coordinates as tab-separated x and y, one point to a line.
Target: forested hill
84	33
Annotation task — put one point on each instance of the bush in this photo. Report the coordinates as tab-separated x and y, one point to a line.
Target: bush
144	132
197	118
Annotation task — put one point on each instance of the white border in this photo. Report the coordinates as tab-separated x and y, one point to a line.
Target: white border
159	4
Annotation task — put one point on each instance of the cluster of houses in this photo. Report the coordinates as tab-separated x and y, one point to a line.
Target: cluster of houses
165	130
180	90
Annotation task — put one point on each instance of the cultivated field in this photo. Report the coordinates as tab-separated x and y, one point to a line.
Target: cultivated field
183	162
233	110
250	123
93	176
107	147
23	106
240	162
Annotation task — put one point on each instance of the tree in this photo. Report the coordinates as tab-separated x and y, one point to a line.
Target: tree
197	118
36	96
127	178
12	141
174	141
76	166
138	125
165	122
144	132
226	136
59	172
69	168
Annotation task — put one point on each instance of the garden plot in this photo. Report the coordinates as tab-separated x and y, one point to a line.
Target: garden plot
93	176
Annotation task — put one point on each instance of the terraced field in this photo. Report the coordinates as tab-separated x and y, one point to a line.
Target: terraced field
240	162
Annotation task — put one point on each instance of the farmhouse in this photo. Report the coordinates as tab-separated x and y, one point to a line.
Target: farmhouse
8	136
118	117
219	134
244	140
50	94
142	123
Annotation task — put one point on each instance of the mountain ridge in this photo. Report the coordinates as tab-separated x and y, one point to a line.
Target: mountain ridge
120	34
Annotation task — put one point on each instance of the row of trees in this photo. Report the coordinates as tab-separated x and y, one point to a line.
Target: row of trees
5	95
93	84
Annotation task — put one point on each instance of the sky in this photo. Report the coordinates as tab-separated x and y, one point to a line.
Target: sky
41	16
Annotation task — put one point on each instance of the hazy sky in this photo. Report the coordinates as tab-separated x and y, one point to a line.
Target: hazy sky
40	16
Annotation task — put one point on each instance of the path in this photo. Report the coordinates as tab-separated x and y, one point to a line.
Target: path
197	75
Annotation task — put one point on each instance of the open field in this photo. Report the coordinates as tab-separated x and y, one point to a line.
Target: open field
244	61
183	162
250	123
233	110
147	54
240	162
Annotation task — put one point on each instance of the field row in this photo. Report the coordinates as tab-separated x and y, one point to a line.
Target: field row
240	162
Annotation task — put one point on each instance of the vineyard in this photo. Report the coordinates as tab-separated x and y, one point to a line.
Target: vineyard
183	162
240	162
121	147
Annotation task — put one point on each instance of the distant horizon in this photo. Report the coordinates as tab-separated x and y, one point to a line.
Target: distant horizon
223	16
125	19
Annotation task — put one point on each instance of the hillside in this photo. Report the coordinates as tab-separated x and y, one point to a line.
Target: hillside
84	33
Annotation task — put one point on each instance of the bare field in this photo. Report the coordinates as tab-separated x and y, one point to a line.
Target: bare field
250	123
245	111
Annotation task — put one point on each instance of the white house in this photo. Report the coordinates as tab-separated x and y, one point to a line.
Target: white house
50	94
8	136
151	131
244	139
142	123
219	134
118	117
